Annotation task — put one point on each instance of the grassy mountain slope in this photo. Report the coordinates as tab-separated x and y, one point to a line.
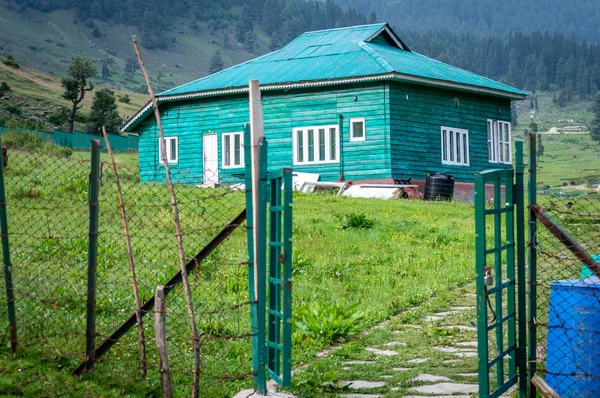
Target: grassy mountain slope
48	41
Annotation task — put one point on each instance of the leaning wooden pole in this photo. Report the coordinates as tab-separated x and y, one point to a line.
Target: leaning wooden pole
184	274
136	293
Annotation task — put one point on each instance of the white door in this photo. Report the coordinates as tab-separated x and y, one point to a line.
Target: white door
210	157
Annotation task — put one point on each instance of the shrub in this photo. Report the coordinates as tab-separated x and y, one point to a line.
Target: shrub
329	321
125	99
4	88
354	220
10	61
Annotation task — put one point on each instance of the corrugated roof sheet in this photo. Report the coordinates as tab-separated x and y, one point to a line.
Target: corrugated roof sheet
335	54
330	56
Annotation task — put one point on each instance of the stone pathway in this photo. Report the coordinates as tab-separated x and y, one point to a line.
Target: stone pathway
425	352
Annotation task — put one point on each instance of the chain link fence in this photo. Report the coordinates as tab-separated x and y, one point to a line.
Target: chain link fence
48	222
567	292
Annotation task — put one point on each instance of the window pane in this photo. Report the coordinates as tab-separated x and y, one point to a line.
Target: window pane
173	152
458	149
358	129
227	149
237	149
332	144
321	144
444	146
465	149
451	147
311	145
300	149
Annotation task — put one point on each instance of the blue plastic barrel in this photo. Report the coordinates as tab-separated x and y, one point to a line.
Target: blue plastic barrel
573	348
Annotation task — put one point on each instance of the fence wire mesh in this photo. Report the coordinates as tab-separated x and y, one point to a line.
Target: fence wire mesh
48	220
568	295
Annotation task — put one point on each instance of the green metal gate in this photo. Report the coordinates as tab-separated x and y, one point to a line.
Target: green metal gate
500	251
272	326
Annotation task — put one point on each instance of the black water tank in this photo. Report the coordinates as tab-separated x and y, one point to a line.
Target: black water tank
439	186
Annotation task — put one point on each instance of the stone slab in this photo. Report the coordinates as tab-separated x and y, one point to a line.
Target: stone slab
467	344
428	378
446	388
400	369
395	343
377	351
360	384
418	360
446	349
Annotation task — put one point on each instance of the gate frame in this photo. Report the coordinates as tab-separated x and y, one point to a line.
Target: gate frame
515	251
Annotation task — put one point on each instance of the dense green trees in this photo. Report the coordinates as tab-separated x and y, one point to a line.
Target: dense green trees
534	61
216	62
578	19
156	18
77	83
104	113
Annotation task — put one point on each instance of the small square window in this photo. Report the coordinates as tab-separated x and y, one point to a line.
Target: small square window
171	145
357	129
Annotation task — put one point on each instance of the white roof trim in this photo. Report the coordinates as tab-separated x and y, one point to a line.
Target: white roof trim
320	83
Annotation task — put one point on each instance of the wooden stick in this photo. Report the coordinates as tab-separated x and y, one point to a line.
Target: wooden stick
545	389
136	294
160	332
184	274
256	135
566	239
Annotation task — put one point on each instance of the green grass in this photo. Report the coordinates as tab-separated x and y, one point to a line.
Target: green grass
569	157
411	251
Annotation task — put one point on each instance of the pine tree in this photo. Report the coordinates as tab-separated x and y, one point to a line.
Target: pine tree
540	146
76	84
104	113
216	63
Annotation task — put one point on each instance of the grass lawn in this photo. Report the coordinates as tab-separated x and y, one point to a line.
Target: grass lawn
407	252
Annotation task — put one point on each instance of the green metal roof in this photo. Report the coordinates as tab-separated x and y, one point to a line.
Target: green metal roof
333	56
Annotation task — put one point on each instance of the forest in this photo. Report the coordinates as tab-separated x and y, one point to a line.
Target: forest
546	59
573	18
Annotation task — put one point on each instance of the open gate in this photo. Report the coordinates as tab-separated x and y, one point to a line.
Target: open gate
501	288
271	310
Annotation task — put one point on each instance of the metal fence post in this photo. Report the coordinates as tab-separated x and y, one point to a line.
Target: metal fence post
10	293
532	262
93	195
522	287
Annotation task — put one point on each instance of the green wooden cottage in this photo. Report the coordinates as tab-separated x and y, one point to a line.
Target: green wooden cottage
349	104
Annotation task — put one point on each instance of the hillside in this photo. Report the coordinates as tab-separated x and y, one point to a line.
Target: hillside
575	18
35	95
48	40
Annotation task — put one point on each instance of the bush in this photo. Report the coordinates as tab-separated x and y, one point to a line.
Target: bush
354	220
60	117
328	322
10	61
125	99
4	88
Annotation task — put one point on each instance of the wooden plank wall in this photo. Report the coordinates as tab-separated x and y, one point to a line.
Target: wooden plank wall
415	125
283	111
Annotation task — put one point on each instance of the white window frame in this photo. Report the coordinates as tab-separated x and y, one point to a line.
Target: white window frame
232	164
316	147
455	146
499	136
170	159
354	120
